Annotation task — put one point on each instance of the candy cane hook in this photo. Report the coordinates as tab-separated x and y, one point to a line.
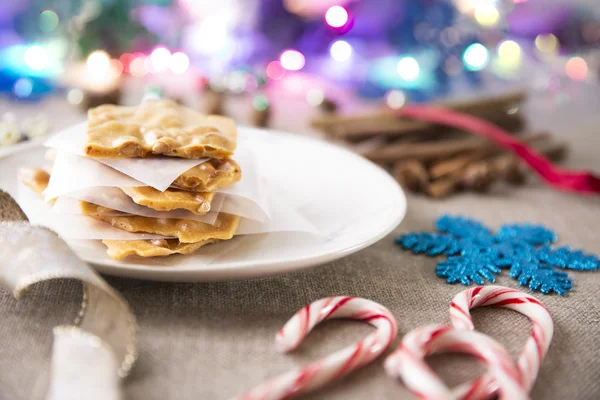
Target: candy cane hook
535	349
408	361
319	373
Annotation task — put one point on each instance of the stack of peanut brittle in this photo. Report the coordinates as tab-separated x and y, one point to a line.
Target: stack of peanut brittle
176	219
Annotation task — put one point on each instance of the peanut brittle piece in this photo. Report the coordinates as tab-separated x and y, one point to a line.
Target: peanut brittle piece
187	231
170	199
35	179
210	175
118	249
158	127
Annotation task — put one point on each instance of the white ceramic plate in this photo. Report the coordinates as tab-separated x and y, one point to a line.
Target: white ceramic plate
354	200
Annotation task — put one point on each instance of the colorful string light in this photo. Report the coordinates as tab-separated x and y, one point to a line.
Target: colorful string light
576	69
340	50
476	57
292	60
336	16
408	69
36	58
275	71
179	62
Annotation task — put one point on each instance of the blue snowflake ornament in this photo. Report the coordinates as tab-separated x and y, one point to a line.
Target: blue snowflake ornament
476	254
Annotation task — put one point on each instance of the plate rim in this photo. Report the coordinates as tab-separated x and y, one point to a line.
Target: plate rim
251	270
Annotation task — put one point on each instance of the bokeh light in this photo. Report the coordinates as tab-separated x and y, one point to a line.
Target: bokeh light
395	99
260	102
275	71
48	20
547	43
236	81
179	62
476	57
75	96
315	97
336	16
23	87
160	58
101	72
408	69
36	58
340	50
211	36
486	14
136	66
576	69
292	60
98	62
126	59
510	53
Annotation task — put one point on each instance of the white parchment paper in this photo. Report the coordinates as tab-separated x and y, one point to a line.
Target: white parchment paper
70	225
115	199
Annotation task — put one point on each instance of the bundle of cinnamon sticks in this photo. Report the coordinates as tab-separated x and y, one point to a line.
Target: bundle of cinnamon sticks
439	161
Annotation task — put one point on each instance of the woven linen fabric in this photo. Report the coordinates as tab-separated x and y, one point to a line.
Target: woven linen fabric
215	340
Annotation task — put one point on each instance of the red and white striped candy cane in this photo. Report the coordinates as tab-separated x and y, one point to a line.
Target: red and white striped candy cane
535	349
336	365
408	361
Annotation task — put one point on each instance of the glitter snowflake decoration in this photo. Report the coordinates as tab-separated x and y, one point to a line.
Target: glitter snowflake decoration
475	254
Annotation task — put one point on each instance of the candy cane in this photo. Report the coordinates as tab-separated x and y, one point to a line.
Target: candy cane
535	349
321	372
408	361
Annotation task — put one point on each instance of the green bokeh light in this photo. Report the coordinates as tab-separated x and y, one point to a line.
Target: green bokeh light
260	102
48	20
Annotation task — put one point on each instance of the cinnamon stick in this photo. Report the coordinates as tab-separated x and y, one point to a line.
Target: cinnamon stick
386	122
411	174
448	166
424	151
481	174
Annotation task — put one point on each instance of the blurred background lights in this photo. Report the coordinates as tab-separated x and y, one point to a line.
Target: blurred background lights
292	60
275	70
260	102
98	61
75	96
395	99
336	16
546	43
315	97
161	59
136	66
476	57
408	69
179	62
36	58
48	20
509	52
209	37
340	50
486	14
576	69
236	81
23	87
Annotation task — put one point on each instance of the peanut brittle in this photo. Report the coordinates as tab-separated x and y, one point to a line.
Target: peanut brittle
210	175
158	127
187	231
37	180
118	249
170	199
34	178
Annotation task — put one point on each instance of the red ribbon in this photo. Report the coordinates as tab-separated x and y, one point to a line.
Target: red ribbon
561	178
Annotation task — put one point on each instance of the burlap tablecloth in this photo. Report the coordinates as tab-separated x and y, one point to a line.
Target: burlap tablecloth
215	340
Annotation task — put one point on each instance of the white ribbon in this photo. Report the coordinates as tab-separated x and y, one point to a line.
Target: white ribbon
89	357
